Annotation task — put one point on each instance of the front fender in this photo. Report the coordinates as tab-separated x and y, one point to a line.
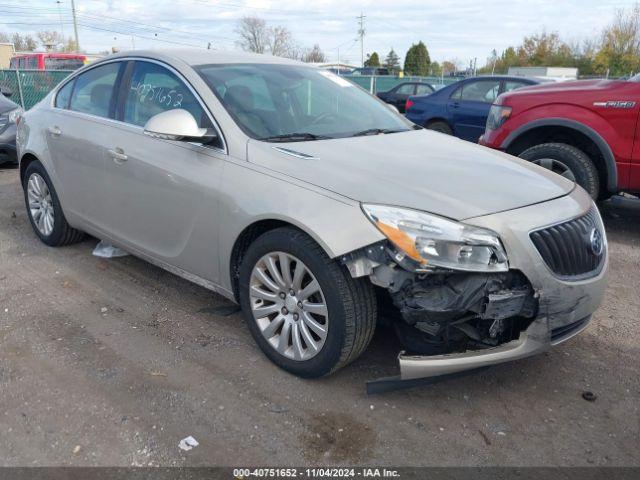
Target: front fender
590	124
250	193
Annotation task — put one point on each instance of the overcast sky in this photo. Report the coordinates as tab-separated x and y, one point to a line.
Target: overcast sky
461	29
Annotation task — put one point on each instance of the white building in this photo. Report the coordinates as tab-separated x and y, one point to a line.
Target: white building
559	74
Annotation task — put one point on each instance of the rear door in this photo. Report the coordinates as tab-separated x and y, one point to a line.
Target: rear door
161	194
79	127
401	94
469	106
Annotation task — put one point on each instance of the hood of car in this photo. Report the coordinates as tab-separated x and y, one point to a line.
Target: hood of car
419	169
562	88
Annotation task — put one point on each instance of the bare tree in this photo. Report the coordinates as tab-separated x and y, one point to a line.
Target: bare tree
50	39
315	55
254	35
281	42
24	43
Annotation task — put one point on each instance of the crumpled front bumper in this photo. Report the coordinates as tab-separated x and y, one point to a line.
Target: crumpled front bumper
536	339
565	307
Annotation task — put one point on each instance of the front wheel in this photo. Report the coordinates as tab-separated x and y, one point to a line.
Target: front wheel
305	311
567	161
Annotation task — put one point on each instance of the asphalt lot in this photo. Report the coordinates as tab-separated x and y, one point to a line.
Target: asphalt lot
113	362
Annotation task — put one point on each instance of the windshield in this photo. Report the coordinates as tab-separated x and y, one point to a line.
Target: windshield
296	103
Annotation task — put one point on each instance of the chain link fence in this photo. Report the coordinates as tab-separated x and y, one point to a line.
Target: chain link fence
376	84
28	87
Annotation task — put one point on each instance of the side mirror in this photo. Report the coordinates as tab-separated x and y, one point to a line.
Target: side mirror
177	124
394	108
6	92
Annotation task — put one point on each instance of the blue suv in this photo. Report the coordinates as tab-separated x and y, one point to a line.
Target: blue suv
461	109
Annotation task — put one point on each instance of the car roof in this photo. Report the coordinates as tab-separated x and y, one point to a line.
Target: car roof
502	77
201	56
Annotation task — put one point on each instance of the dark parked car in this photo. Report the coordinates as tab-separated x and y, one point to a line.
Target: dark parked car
371	71
461	109
9	113
399	94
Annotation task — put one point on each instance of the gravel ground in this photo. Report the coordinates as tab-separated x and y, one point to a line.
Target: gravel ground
112	362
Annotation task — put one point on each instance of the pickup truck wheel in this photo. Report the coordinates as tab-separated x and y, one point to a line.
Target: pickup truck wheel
44	209
305	311
567	161
441	127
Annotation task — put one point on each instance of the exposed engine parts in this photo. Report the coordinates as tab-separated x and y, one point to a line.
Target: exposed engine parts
441	310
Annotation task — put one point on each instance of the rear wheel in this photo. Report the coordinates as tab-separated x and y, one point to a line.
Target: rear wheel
305	311
441	127
44	209
567	161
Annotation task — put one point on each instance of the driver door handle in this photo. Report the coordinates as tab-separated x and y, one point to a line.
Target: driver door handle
55	131
118	155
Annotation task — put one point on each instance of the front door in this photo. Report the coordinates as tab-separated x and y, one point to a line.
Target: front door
161	194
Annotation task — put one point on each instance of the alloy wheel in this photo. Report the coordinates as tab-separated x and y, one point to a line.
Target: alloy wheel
556	166
40	204
288	306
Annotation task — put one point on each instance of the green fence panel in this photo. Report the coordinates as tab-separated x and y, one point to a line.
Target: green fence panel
31	86
383	83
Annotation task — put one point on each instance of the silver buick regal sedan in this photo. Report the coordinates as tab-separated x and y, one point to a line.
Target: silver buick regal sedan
318	209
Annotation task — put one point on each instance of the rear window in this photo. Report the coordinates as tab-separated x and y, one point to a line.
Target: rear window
53	63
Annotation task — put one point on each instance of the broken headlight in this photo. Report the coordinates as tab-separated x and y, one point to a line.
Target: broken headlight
434	241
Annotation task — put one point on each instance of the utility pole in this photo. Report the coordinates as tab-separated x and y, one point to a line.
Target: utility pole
361	35
75	25
60	14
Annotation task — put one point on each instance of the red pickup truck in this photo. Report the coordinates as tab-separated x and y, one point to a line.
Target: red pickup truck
584	130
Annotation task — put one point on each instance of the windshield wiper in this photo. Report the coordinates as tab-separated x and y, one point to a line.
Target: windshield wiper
295	137
376	131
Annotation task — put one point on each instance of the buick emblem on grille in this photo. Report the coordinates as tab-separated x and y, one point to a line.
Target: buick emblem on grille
595	242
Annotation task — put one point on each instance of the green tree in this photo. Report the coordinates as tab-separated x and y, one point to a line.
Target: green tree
372	60
392	62
619	53
417	60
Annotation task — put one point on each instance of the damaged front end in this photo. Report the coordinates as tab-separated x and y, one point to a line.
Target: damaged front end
449	321
438	311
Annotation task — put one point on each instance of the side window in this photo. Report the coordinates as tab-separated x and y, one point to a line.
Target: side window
154	89
512	85
481	91
406	89
423	90
94	90
457	95
64	95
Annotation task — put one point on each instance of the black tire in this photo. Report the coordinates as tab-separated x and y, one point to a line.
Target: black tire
441	127
62	233
581	166
351	303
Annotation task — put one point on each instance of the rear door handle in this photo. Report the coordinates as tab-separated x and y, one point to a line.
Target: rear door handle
55	131
118	155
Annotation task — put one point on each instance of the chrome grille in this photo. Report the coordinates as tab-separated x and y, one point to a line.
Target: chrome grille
570	249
